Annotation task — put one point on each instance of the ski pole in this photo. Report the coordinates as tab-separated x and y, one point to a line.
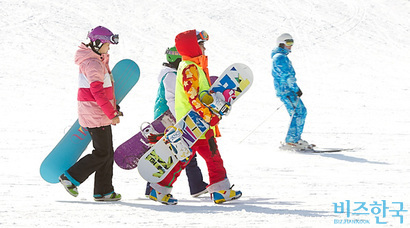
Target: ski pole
261	123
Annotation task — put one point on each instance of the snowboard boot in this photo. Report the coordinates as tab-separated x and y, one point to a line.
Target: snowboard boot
148	190
108	197
68	185
167	199
200	193
225	195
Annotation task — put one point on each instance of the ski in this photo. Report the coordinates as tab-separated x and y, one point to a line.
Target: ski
322	150
315	149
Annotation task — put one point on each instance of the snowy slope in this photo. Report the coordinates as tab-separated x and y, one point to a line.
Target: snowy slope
352	62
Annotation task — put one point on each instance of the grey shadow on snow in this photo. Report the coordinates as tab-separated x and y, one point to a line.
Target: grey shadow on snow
344	157
249	205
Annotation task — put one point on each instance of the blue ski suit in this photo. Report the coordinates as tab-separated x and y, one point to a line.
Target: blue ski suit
286	89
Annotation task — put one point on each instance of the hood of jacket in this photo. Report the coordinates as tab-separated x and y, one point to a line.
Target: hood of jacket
279	50
84	53
188	47
187	44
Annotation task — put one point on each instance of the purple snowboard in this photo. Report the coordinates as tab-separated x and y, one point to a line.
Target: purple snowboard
128	154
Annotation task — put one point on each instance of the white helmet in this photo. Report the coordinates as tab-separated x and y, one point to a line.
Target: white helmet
285	38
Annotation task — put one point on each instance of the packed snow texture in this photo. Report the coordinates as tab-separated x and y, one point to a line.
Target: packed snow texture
352	61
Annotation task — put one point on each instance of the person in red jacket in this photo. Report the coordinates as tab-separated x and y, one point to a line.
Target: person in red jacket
192	79
97	111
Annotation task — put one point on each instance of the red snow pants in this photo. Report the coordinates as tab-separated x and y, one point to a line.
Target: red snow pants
208	149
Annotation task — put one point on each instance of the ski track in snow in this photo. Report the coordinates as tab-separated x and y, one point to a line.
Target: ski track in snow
352	62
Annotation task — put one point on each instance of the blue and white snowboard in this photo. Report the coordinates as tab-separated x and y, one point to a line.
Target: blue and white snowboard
126	74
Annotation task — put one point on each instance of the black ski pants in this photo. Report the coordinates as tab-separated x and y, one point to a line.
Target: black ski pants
100	161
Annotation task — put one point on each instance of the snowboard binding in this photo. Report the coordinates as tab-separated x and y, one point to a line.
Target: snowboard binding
218	103
150	133
177	144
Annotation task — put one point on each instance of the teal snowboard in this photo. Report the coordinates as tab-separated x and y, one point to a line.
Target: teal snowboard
126	74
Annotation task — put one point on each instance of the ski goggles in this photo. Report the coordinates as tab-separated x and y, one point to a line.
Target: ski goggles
289	42
202	36
169	52
105	39
114	38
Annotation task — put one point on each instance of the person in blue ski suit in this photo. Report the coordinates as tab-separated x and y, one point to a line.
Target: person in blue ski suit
166	100
288	91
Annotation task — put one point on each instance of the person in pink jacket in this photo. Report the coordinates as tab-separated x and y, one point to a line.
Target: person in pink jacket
97	111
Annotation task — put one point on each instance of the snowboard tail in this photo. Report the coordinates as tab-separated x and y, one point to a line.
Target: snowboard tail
127	155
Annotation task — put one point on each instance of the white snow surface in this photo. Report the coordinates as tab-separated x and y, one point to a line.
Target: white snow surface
352	59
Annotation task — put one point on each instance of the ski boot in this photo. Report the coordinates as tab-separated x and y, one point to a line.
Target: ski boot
299	145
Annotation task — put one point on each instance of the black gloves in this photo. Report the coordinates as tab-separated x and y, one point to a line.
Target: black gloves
299	93
119	112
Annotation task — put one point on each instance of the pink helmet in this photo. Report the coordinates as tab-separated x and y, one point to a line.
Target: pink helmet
100	35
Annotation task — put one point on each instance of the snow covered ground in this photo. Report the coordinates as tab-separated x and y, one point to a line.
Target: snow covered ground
352	59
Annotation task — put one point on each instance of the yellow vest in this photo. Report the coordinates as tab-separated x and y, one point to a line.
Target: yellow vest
182	105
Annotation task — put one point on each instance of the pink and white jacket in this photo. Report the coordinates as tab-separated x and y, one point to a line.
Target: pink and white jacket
96	101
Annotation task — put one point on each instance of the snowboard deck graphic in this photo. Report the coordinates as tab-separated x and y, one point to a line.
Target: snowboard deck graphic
160	159
127	155
126	74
